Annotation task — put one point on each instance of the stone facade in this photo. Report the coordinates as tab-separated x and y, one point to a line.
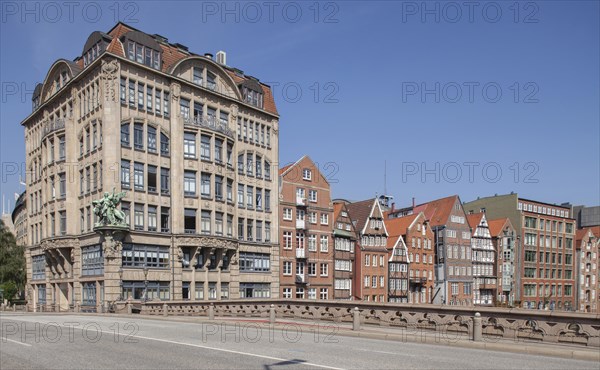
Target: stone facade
193	143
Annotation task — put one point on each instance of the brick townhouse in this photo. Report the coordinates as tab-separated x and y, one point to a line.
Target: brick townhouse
305	232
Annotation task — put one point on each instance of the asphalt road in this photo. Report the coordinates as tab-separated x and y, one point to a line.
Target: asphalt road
105	342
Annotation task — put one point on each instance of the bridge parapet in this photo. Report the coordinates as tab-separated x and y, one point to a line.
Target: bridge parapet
517	325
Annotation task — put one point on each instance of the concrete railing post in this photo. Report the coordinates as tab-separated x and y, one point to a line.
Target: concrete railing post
211	312
356	319
129	308
477	327
272	314
165	309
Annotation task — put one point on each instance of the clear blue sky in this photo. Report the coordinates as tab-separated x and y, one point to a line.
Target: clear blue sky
366	59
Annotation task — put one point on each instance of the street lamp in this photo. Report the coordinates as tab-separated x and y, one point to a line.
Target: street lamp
145	284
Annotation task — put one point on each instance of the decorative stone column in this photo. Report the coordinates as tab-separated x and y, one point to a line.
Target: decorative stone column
112	246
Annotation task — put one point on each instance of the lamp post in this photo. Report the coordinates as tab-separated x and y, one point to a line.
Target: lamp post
120	283
145	284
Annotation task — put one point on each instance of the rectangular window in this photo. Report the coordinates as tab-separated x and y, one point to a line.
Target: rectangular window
138	176
165	181
164	220
324	243
189	183
139	216
140	95
152	146
152	178
198	76
257	262
131	93
184	106
205	222
189	220
166	104
205	147
138	136
152	218
189	145
124	136
141	255
205	184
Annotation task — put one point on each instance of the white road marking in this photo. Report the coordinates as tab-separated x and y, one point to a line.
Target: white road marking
201	346
16	341
235	352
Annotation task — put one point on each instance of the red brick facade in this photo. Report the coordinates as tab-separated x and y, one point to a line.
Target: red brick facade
306	217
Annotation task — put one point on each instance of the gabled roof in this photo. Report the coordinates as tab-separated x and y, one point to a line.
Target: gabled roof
308	163
337	209
475	219
437	211
399	226
497	226
360	211
582	233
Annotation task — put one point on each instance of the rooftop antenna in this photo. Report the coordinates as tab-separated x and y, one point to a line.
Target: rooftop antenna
385	177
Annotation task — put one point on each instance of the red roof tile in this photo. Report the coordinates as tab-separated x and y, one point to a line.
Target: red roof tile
497	226
474	219
399	226
437	211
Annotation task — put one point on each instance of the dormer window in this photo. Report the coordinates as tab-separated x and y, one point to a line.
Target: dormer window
143	54
142	48
94	47
252	97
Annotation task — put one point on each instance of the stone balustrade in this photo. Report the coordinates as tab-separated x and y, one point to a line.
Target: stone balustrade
492	325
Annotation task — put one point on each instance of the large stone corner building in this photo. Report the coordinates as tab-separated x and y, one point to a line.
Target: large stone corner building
192	141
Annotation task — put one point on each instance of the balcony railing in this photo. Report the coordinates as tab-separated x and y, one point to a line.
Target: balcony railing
52	126
211	123
300	253
301	201
300	224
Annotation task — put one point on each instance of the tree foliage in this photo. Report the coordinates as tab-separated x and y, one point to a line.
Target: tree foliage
12	262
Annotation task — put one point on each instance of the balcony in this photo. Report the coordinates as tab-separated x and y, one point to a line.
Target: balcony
51	126
418	280
300	253
300	279
300	224
211	122
300	201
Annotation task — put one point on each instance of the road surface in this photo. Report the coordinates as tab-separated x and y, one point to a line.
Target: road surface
106	342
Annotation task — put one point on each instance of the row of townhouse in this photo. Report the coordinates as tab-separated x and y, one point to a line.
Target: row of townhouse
193	144
500	250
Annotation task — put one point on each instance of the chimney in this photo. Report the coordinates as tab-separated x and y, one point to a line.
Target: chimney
221	57
208	55
393	206
413	202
